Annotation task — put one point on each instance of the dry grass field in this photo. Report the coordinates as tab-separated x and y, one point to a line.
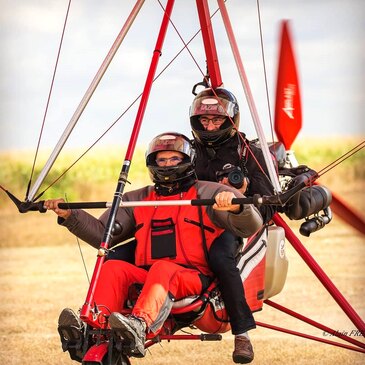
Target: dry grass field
37	282
41	272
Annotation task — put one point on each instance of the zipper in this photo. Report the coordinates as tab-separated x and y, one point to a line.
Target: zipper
209	229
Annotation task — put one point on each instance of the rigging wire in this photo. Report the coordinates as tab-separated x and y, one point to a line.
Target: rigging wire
186	44
80	250
265	72
342	158
249	99
83	259
48	99
207	81
169	63
129	107
112	125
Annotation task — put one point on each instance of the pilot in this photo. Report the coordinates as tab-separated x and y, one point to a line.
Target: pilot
172	242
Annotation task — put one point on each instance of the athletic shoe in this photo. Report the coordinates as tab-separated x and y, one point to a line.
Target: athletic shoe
133	332
71	330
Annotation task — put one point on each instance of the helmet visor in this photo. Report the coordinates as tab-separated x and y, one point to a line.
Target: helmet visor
170	142
210	105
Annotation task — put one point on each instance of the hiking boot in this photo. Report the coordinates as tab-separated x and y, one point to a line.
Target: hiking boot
133	332
71	330
243	351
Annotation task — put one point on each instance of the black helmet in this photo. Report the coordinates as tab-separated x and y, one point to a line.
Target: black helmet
170	141
218	102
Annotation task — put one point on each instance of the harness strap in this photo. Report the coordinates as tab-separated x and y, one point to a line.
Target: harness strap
204	240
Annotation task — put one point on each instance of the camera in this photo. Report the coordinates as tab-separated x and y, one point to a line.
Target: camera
234	174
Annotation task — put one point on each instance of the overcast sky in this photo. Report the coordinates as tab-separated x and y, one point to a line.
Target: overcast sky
329	44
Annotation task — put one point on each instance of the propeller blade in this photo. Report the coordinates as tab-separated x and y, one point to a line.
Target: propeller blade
288	111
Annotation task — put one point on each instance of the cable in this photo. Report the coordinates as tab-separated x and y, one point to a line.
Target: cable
81	253
48	99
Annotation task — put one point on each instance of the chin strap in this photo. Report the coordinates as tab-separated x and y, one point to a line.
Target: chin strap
177	187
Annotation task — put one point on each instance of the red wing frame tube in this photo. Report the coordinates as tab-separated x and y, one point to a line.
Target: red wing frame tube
209	43
321	275
86	311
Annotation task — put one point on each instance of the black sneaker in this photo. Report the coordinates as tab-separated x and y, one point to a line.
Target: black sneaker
133	332
71	330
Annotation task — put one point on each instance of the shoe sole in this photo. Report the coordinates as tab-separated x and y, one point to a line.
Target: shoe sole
68	322
70	329
240	359
121	327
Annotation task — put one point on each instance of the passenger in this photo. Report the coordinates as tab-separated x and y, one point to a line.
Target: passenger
214	119
172	242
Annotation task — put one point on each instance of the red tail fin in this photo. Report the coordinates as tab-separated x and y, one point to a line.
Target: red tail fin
288	111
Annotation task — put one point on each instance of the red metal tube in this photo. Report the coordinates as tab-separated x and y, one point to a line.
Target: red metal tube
330	331
149	81
321	275
209	43
295	333
85	313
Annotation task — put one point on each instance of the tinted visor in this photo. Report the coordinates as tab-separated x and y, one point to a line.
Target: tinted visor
211	105
170	142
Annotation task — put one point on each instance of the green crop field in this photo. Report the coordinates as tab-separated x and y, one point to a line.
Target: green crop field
94	176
